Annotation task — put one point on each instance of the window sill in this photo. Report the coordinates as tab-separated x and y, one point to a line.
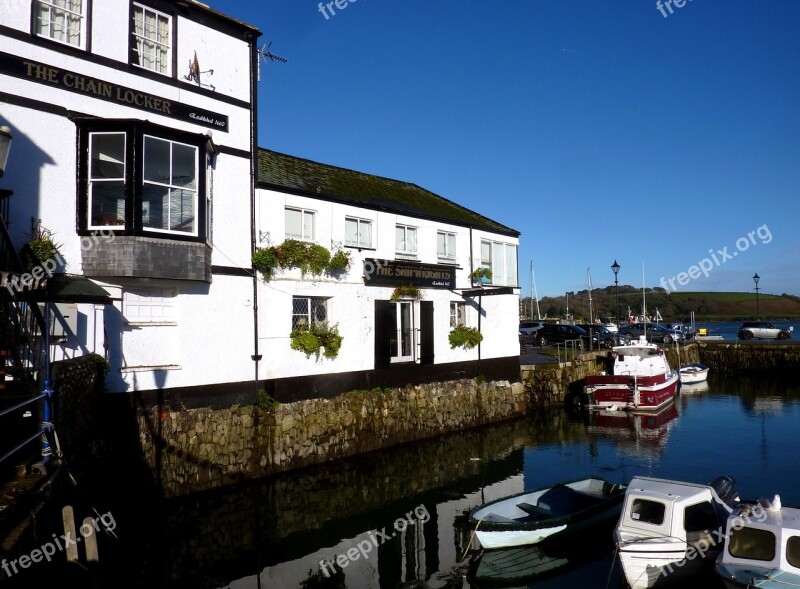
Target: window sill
134	323
127	369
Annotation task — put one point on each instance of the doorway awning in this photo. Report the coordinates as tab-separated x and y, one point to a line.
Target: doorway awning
69	288
487	291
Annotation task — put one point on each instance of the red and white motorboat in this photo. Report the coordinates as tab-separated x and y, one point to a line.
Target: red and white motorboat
641	380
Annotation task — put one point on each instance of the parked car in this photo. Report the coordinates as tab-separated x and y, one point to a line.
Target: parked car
552	333
762	330
655	332
528	327
528	341
603	336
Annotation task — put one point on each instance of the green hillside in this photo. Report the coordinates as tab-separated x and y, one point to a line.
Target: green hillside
676	306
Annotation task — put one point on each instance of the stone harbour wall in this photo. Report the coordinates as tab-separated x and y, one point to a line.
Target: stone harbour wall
734	357
197	449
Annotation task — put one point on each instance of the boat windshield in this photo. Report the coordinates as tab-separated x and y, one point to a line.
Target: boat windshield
752	544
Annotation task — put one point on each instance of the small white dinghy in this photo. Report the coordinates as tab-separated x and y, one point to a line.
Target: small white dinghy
545	514
693	373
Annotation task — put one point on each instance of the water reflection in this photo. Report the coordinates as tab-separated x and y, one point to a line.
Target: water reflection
275	533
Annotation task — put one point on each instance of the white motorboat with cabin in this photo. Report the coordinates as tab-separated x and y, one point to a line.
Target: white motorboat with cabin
641	379
762	547
666	530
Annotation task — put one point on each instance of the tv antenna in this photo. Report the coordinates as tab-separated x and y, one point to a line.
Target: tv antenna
267	55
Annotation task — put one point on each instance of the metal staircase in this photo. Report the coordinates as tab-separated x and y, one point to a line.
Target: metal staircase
22	356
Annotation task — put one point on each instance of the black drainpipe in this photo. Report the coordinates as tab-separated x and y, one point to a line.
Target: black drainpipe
253	178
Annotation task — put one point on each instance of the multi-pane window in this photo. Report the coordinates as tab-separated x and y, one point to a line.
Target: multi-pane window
149	305
401	339
169	186
446	246
151	36
160	191
501	260
107	180
60	20
406	241
357	232
300	224
458	314
307	311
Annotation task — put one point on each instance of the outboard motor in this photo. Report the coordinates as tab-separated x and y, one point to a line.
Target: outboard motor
725	488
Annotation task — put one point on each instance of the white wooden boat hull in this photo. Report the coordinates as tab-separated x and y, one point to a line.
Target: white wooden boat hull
510	538
658	567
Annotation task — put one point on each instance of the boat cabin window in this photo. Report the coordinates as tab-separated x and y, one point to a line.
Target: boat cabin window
649	512
699	517
793	551
752	544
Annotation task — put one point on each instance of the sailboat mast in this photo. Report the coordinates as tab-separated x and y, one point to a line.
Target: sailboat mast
536	294
589	279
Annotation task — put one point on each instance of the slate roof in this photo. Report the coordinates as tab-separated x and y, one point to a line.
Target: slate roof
287	173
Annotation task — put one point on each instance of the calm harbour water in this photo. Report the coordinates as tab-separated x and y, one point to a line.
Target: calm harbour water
280	530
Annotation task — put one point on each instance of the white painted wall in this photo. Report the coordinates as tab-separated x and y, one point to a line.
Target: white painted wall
352	304
211	338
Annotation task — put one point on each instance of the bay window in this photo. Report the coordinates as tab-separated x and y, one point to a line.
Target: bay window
140	179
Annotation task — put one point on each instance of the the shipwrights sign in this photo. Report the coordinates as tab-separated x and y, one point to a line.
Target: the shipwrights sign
104	90
400	273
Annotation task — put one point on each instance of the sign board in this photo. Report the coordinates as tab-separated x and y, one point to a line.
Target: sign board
403	273
96	88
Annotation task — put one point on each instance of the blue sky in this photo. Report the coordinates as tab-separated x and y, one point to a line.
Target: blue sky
599	130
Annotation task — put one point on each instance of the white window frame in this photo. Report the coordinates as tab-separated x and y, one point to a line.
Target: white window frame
171	187
52	11
307	216
401	248
310	316
92	182
159	303
162	64
444	238
412	332
363	227
458	313
501	259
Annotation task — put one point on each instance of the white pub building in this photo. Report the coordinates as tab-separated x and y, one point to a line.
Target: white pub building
135	154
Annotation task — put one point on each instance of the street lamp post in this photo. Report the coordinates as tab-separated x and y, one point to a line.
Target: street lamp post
615	268
756	278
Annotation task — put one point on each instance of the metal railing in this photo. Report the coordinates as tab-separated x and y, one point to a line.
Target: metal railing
571	347
22	327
